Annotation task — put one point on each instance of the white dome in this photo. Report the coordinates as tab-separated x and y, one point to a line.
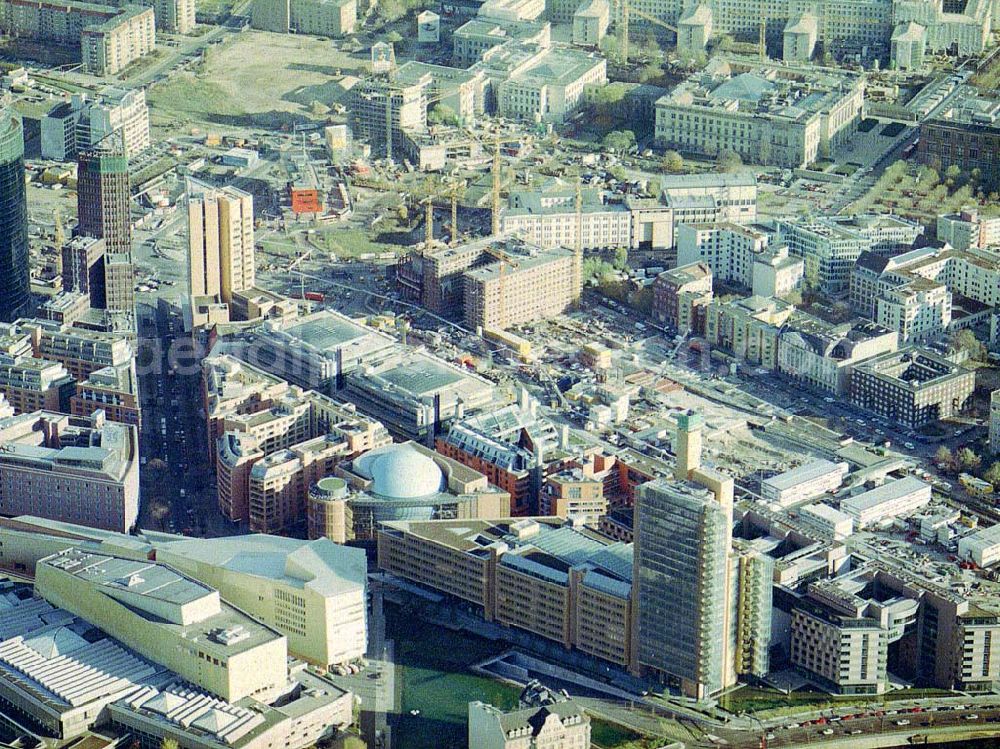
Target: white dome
401	472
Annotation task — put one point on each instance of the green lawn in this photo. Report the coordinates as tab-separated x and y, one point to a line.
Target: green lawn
435	665
771	702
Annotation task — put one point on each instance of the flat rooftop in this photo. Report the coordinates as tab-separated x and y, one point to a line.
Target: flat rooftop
321	566
807	472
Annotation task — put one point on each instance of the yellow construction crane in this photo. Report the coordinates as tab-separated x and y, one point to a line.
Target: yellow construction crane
623	30
456	188
495	207
429	221
505	260
578	245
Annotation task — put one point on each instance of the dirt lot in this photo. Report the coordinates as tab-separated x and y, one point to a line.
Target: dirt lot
258	78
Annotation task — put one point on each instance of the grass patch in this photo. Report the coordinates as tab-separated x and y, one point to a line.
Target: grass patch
893	129
867	125
773	703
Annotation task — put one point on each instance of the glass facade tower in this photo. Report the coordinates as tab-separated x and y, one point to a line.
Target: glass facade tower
15	291
682	539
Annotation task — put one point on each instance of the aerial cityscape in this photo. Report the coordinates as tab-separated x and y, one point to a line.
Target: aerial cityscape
499	374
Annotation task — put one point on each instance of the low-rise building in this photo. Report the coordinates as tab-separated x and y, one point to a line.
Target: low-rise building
995	422
332	18
590	23
466	280
472	40
168	618
819	355
981	547
549	87
28	382
560	724
967	229
808	481
267	458
313	351
837	524
571	493
912	386
114	390
965	134
710	198
547	217
417	395
313	592
899	498
831	245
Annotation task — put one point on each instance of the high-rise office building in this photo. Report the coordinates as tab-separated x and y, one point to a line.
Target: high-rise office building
14	285
103	195
682	585
221	241
83	268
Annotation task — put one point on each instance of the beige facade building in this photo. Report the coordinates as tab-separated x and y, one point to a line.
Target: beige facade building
572	494
313	592
220	241
748	328
564	583
267	459
170	619
541	284
111	46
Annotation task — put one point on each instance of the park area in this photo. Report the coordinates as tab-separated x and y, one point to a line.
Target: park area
256	79
437	681
922	193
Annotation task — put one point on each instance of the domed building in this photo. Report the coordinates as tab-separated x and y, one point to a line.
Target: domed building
402	481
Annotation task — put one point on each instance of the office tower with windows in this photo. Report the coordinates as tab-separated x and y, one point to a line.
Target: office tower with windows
14	284
220	241
103	196
683	586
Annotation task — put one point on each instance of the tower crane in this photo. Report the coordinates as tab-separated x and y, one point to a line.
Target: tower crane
623	31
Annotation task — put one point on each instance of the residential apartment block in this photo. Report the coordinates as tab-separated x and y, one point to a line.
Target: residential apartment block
466	280
109	37
748	328
332	18
547	217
